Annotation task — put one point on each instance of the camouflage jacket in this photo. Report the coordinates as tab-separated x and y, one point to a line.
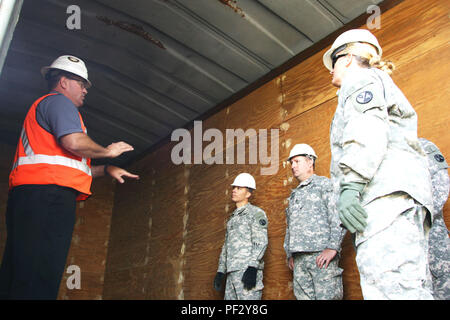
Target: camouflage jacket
312	221
439	175
373	139
439	243
245	240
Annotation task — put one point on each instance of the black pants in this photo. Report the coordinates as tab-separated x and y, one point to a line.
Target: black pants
39	222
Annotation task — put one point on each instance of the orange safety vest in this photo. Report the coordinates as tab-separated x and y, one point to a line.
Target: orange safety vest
40	159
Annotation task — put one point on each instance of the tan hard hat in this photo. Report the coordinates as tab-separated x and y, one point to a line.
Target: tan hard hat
244	180
302	149
354	35
70	64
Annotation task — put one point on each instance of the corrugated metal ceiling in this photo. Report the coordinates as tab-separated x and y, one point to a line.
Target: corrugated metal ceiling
156	65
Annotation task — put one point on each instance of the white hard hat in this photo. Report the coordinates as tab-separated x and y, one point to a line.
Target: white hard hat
244	180
302	149
354	35
70	64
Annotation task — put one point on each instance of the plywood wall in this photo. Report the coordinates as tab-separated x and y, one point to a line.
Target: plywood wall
89	244
167	229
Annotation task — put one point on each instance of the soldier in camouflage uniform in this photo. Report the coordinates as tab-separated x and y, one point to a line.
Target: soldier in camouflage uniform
313	233
241	258
379	171
438	242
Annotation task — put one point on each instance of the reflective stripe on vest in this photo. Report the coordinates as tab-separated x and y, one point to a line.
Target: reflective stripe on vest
33	158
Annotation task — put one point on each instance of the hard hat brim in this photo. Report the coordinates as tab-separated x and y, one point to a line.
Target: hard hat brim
242	186
45	70
302	154
327	59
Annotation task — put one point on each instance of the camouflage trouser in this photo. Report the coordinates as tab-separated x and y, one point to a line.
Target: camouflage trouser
439	259
393	263
234	288
313	283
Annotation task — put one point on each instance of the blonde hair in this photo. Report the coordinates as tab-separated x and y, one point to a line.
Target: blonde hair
367	56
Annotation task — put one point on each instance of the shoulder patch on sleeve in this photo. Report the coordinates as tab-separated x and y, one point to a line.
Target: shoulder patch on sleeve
367	98
434	154
364	97
440	160
439	157
260	218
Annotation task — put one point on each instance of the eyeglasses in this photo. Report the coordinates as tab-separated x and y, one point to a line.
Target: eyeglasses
83	83
335	59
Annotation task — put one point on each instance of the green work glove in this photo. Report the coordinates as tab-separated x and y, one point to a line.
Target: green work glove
352	214
218	280
249	278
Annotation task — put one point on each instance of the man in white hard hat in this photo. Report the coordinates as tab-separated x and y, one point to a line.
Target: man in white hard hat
51	171
241	258
379	170
313	233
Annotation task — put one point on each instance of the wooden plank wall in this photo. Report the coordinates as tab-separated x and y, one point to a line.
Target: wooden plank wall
168	228
90	243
